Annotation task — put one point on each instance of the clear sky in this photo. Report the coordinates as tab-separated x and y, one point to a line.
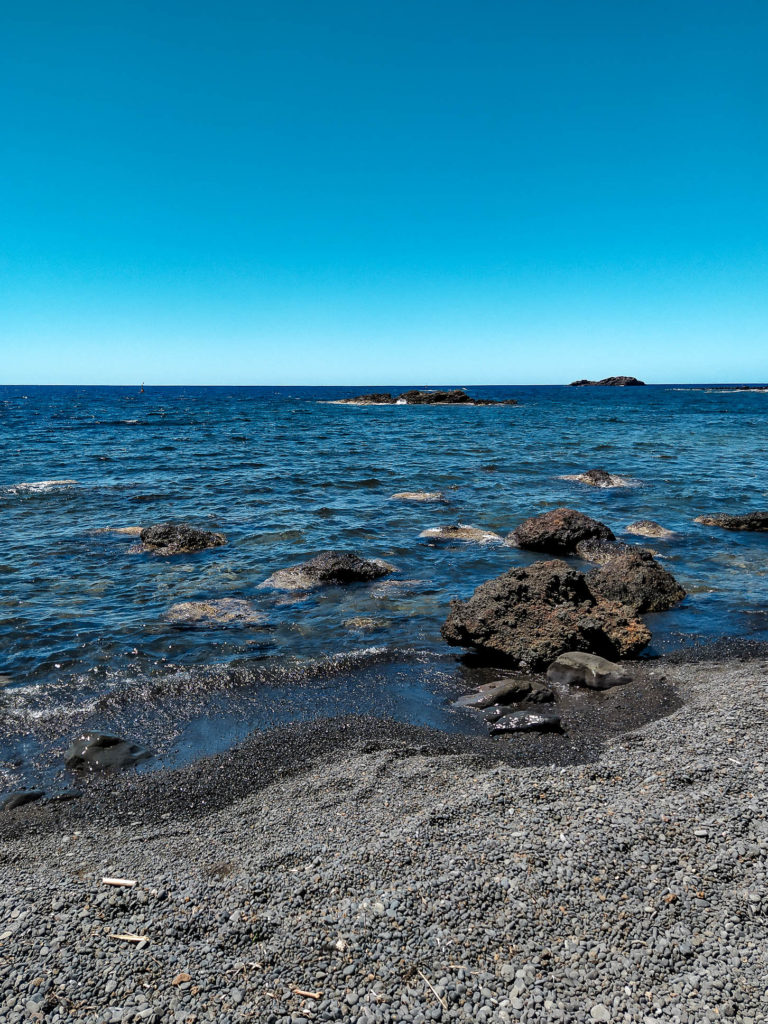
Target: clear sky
398	191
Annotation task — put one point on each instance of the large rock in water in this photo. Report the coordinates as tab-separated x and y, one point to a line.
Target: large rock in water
636	580
529	616
329	568
756	521
649	528
558	532
610	382
179	538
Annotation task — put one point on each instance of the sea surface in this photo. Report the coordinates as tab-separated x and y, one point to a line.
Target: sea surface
85	637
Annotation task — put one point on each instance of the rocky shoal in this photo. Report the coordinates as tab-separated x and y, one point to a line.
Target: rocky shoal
396	874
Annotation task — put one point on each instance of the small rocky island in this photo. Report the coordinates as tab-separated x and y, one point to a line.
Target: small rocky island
458	396
609	382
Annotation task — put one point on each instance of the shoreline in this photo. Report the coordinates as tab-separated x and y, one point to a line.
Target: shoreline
403	881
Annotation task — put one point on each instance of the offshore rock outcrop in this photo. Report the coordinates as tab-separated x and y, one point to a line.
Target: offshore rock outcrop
457	396
179	539
649	528
609	382
529	616
598	478
558	532
461	532
636	580
329	568
752	521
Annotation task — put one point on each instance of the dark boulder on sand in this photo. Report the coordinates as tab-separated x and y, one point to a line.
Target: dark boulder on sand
753	521
636	580
329	568
179	538
558	532
579	669
529	616
609	382
93	751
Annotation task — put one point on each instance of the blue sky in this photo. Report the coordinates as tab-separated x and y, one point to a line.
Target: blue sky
305	192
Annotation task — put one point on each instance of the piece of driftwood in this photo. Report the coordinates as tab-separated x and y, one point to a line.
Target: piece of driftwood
127	883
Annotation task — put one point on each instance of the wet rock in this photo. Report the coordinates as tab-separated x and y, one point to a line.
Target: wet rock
329	568
636	580
610	382
456	396
179	538
63	796
579	669
753	521
461	532
527	721
419	496
531	615
602	551
558	532
511	690
224	611
94	751
20	798
648	528
599	478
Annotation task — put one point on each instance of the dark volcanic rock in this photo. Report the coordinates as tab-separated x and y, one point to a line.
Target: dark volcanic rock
19	798
529	616
179	538
579	669
93	751
558	532
512	690
754	521
329	568
636	580
527	721
458	396
602	551
611	382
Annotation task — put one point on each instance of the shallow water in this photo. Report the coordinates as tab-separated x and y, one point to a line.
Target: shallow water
285	474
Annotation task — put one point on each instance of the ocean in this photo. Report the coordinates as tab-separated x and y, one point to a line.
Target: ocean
87	639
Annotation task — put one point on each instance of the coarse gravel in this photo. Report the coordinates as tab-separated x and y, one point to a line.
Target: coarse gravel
388	882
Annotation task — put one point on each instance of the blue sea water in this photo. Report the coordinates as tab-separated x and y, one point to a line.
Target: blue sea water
85	637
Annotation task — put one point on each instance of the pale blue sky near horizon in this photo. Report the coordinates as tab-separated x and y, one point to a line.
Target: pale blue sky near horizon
301	193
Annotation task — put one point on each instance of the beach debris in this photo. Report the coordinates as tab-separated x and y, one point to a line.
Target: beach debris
558	531
329	568
419	496
461	532
181	978
179	538
636	580
577	668
130	937
306	994
94	751
531	615
527	721
649	528
752	521
441	999
126	883
222	611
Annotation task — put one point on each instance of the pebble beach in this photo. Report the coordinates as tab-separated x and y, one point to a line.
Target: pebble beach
405	877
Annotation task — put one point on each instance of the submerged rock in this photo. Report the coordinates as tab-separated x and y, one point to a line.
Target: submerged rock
636	580
602	551
558	532
364	624
531	615
462	532
179	538
609	382
580	669
329	568
527	721
94	751
511	690
419	496
753	521
599	478
223	611
648	528
20	798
